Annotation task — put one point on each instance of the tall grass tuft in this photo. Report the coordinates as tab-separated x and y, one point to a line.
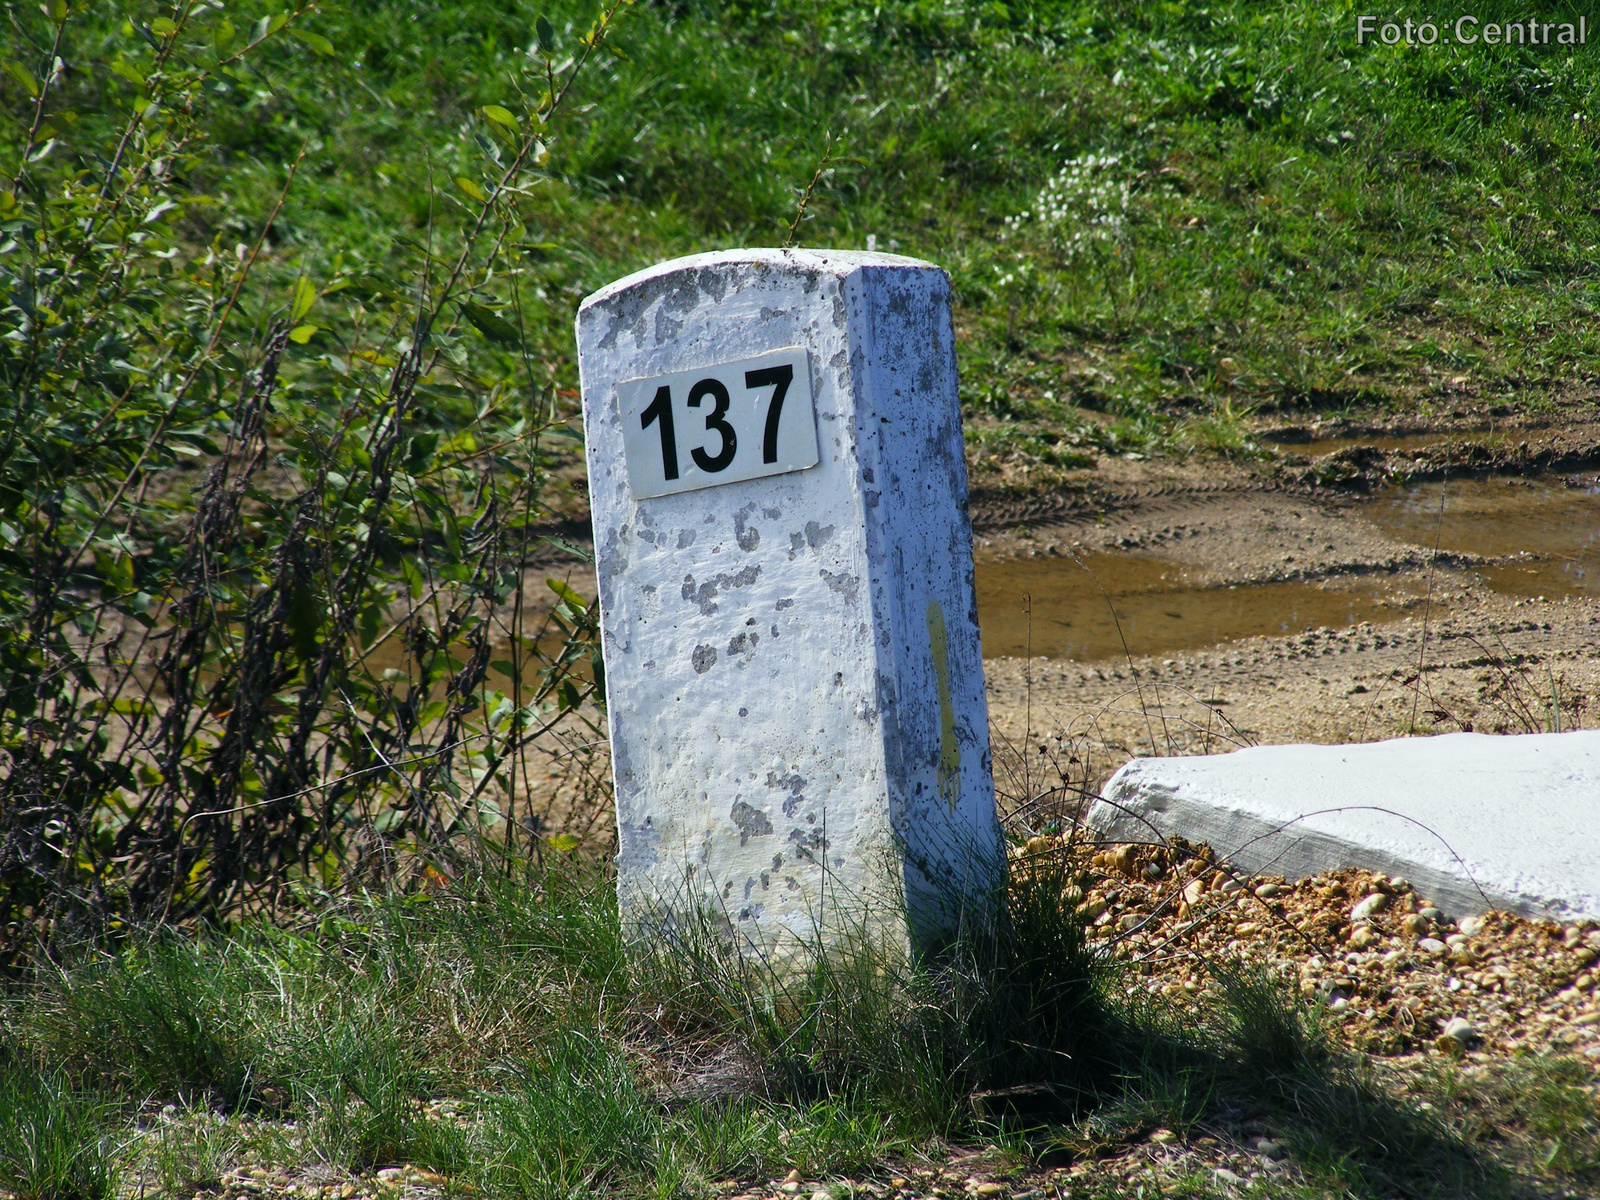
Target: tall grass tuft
574	1119
55	1143
1264	1027
167	1020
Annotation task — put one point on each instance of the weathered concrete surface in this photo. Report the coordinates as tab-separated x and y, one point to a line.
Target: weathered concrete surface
1473	820
798	722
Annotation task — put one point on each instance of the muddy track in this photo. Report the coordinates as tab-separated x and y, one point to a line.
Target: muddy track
1366	469
998	511
1566	444
1491	622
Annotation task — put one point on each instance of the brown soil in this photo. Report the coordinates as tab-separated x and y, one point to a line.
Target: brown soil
1351	619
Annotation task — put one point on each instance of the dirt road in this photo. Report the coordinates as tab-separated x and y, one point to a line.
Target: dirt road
1363	582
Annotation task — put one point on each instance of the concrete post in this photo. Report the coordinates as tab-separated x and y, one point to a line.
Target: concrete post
798	724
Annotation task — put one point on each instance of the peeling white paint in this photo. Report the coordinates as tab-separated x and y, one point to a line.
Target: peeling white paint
790	742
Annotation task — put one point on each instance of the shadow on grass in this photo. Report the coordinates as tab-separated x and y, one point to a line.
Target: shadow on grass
1255	1057
1341	1125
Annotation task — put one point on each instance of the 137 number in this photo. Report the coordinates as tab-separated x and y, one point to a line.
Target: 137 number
659	413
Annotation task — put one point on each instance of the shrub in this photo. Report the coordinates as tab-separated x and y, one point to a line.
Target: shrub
263	536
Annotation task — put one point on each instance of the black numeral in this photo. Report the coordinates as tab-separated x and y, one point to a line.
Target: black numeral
730	441
661	410
781	376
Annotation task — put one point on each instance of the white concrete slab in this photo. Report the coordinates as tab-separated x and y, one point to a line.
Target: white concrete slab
798	723
1474	821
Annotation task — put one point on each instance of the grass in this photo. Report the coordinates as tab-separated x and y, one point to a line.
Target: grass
1286	221
498	1033
54	1141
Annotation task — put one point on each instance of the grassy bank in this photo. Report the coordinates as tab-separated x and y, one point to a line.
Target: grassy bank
1159	217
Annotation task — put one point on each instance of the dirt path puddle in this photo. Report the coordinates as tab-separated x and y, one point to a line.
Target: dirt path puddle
1551	525
1545	531
1060	606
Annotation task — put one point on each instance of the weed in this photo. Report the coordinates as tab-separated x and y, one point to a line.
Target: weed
190	1150
574	1118
1264	1027
1544	1107
359	1084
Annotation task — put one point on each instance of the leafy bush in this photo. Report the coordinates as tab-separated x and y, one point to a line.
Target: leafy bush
264	537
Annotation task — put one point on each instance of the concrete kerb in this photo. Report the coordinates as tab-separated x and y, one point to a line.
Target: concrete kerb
1475	821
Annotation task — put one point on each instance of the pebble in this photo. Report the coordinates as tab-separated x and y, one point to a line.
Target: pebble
1433	946
1268	890
822	1194
1229	1177
1271	1148
989	1189
1163	1137
1230	886
1370	907
1458	1034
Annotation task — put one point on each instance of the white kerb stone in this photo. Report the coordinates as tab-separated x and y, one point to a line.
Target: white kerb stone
795	684
1474	821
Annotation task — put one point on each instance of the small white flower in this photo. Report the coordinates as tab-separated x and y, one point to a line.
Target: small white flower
1084	202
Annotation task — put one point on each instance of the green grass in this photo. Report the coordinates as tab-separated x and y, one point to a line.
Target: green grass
1308	224
55	1143
498	1032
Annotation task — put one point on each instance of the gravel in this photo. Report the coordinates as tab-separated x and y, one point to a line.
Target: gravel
1403	968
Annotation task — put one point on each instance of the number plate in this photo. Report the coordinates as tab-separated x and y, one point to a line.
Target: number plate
720	424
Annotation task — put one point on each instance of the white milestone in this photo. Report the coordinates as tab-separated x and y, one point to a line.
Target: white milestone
798	727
